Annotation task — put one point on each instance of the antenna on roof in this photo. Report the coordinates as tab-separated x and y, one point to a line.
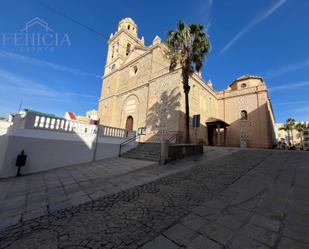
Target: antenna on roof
20	105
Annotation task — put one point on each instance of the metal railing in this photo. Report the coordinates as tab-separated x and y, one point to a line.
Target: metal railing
127	142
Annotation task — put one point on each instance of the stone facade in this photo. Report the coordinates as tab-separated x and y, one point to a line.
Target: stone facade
139	91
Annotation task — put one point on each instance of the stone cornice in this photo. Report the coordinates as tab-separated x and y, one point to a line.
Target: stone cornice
140	86
204	85
236	93
136	39
133	61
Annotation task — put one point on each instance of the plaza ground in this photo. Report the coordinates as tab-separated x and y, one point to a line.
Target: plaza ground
227	198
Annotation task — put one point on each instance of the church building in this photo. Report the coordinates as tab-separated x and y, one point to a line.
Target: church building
139	92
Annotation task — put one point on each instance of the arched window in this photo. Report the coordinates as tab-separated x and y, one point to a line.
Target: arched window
243	115
129	27
112	67
135	69
113	51
128	48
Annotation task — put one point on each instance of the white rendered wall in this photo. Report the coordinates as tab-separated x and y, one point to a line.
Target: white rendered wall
52	149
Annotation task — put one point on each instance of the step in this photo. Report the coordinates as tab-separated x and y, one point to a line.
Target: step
134	153
145	155
147	151
155	159
143	149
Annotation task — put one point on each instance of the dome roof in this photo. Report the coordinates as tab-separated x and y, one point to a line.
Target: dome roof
248	76
127	19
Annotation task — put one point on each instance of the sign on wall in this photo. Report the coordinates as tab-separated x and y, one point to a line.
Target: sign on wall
141	131
196	121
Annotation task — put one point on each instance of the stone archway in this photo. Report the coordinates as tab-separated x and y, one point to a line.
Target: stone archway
130	112
129	123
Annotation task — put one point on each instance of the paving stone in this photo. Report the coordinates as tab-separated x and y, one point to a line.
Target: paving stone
201	242
9	221
260	234
34	213
206	212
96	195
287	243
193	222
216	204
160	242
296	233
233	218
243	242
79	200
217	232
35	205
180	234
59	206
265	222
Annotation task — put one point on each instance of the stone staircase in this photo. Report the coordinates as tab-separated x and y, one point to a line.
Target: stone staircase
145	151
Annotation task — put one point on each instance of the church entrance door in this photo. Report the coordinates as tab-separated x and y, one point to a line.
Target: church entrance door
129	123
210	136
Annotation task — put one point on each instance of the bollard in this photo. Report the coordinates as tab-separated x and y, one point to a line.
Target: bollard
20	162
164	151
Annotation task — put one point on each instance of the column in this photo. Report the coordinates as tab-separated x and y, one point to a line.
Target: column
218	135
225	136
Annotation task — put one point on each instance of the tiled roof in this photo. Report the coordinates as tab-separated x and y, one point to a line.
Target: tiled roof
72	115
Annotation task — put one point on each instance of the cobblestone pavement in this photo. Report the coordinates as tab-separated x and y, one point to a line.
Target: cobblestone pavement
32	196
27	197
249	199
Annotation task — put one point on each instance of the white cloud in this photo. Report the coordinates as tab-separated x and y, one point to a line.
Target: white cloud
289	86
297	102
205	12
289	68
302	109
37	62
258	19
12	83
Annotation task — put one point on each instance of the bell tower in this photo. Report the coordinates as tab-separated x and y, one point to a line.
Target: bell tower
121	44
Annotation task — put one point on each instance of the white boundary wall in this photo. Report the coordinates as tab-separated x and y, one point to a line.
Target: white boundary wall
49	148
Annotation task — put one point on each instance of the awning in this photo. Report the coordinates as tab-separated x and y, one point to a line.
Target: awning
215	122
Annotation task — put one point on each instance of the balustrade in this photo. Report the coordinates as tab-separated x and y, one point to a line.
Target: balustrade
36	121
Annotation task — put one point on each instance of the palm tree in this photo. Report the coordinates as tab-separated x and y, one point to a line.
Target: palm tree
188	46
285	128
290	122
288	127
300	128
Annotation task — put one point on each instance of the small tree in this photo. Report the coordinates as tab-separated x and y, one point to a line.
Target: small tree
300	128
188	46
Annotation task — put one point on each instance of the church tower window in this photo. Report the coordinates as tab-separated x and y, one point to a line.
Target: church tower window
128	48
135	69
129	27
243	85
113	51
113	67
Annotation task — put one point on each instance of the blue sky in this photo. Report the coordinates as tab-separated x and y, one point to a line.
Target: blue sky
268	38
